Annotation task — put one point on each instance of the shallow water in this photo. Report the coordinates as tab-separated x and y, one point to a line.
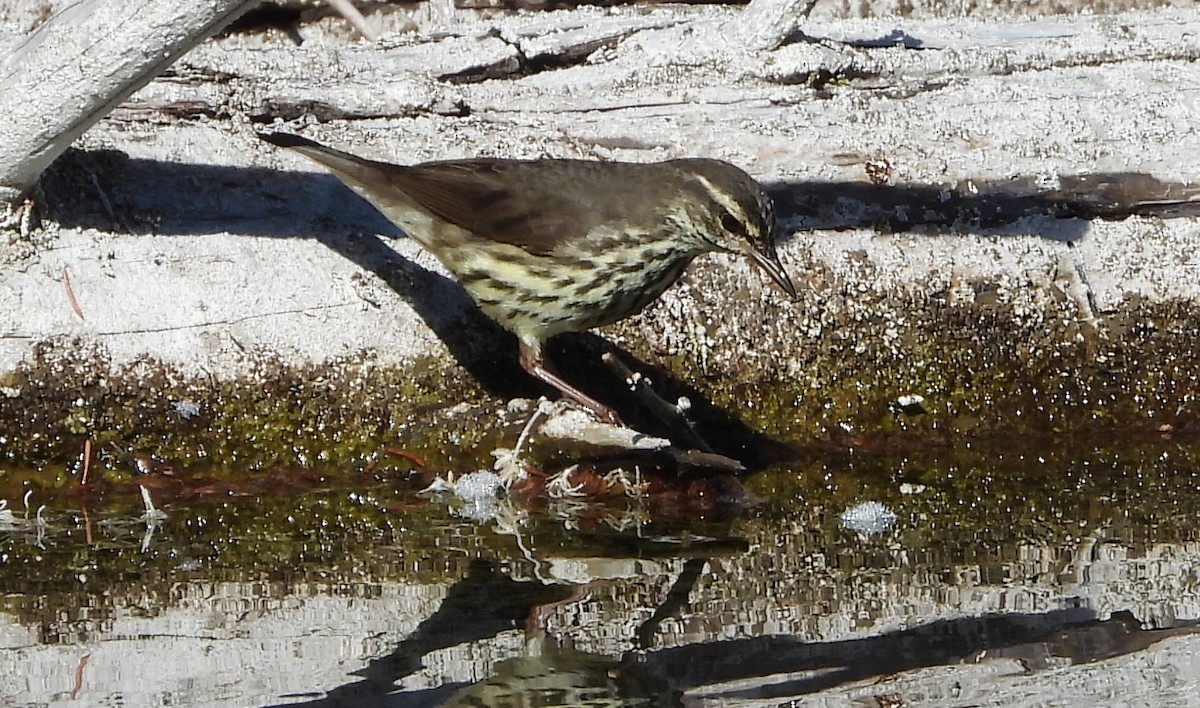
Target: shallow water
973	577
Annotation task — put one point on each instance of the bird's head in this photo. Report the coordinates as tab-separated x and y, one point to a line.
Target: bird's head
737	215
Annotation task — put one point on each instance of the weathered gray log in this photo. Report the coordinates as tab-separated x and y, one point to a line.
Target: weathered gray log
86	59
766	24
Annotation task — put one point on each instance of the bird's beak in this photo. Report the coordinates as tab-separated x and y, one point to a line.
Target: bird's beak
770	263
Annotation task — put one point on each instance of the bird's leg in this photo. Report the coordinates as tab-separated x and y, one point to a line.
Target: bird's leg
532	361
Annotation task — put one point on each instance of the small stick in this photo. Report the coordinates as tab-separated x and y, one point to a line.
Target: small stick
664	410
87	461
66	281
79	676
354	17
407	455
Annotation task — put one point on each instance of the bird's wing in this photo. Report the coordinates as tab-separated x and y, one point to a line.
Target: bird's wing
525	204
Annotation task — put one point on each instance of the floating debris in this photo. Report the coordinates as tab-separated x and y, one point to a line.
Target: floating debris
560	485
910	404
869	518
479	485
186	408
509	462
479	493
11	523
439	485
152	514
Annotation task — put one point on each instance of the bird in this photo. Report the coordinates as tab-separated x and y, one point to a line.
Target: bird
548	246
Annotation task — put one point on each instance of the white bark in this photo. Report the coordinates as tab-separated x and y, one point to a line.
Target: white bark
765	24
81	63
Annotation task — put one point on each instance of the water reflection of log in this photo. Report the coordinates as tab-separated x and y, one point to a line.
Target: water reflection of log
780	667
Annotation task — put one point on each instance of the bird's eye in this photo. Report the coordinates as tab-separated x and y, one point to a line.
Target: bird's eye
732	224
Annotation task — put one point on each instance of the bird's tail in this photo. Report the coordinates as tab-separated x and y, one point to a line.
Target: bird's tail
368	178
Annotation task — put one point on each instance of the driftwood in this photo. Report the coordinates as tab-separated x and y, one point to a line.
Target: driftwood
81	63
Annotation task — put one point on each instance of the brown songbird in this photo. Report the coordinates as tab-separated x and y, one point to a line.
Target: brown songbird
550	246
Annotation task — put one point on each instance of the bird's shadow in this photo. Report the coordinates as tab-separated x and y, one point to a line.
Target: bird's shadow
107	190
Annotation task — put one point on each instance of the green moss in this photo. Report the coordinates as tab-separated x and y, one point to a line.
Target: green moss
330	417
983	373
976	374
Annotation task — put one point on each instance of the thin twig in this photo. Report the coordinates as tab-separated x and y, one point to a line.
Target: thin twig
87	460
79	676
354	17
66	281
662	409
